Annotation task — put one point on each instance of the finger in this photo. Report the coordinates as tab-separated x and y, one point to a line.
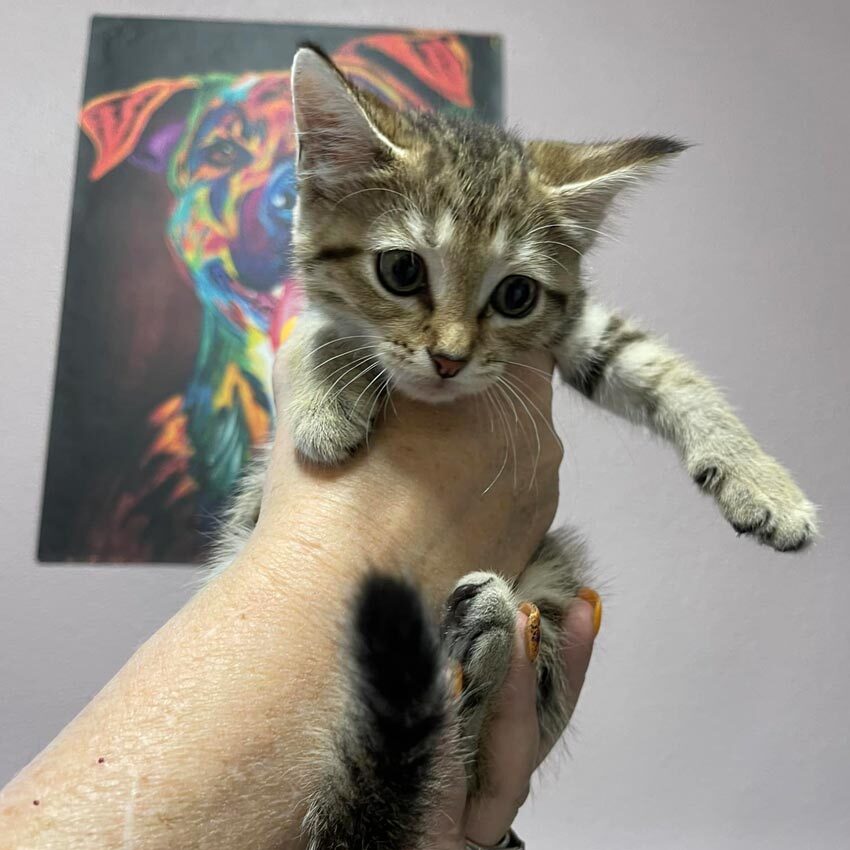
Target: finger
511	749
579	634
449	827
580	627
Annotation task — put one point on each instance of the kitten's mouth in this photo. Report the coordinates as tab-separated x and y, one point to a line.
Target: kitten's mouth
420	381
436	391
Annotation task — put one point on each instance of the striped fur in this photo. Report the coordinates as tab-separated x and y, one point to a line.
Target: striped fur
624	369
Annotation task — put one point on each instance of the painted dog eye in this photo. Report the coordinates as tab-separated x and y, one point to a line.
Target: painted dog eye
284	198
281	194
402	272
515	296
221	153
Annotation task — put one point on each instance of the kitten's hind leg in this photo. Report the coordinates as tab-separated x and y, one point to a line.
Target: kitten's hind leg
478	634
336	384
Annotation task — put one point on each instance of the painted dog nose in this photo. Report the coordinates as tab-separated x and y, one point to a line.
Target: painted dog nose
447	367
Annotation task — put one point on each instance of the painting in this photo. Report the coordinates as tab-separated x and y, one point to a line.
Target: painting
178	288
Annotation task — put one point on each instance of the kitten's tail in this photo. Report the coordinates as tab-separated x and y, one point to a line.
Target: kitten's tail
381	789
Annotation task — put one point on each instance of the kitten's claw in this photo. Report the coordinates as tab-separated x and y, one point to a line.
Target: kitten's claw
758	497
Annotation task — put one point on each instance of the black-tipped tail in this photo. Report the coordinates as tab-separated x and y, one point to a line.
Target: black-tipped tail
382	789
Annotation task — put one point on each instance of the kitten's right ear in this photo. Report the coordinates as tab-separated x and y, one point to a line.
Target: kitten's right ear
586	178
336	135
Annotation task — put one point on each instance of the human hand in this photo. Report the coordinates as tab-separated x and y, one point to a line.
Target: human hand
439	491
514	740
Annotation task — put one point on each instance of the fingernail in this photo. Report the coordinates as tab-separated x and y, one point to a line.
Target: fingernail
591	596
532	630
457	680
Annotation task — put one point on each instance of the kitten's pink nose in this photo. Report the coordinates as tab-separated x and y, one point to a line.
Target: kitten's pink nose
447	367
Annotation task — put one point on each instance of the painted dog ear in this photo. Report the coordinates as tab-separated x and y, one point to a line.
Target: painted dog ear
115	122
438	62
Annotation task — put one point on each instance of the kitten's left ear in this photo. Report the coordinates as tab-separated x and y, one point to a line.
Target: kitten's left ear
588	177
340	130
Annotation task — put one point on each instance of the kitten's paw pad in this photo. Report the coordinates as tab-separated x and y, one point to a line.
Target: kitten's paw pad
478	631
327	436
762	500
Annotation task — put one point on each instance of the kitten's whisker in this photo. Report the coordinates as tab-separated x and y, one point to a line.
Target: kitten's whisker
539	413
534	424
489	400
594	230
375	398
540	227
375	189
350	368
559	263
505	461
341	339
390	211
477	399
563	245
571	225
512	430
543	372
531	394
342	354
533	391
513	407
376	378
364	371
390	396
489	410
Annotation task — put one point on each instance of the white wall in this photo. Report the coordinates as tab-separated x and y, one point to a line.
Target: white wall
716	712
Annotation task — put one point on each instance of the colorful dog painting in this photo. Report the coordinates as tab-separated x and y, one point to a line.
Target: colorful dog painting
223	145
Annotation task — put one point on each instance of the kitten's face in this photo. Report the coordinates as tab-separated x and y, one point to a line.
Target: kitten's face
446	247
455	267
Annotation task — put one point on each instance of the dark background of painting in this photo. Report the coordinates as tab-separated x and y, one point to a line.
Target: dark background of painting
130	319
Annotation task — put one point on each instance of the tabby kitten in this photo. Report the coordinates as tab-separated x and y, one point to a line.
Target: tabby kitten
433	250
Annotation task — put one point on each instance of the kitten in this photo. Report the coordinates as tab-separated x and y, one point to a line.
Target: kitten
433	251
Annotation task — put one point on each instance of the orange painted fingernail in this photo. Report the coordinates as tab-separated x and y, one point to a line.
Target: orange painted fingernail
532	630
592	597
457	680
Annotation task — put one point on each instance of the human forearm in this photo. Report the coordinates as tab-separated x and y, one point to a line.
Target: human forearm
203	736
207	736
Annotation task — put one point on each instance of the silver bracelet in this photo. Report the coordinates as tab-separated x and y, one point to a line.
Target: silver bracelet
511	841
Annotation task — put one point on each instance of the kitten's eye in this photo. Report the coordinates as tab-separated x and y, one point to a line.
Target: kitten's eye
402	272
515	296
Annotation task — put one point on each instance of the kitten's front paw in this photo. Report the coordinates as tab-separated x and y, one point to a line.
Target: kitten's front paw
759	497
326	434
